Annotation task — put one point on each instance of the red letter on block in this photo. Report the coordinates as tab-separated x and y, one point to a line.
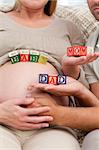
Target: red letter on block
52	79
70	51
83	51
24	55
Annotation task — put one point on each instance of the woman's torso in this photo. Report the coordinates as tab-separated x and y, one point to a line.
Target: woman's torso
53	39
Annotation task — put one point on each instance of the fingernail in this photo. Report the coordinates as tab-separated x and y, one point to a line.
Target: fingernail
45	125
50	118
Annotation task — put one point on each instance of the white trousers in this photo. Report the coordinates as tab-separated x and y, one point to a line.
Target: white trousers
43	139
91	141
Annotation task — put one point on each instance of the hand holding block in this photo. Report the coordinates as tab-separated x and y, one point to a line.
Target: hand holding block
24	55
14	57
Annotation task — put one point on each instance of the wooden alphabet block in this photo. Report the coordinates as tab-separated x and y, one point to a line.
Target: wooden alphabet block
76	50
43	78
61	79
34	56
83	51
90	50
24	55
14	57
52	80
42	59
70	51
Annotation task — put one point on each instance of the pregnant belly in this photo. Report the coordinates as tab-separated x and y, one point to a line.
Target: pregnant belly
15	78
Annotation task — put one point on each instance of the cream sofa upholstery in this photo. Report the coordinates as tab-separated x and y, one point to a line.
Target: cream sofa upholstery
81	16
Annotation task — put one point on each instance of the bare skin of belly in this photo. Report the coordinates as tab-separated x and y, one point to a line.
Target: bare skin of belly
15	78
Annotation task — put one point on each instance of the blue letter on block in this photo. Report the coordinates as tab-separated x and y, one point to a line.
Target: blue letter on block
61	79
43	78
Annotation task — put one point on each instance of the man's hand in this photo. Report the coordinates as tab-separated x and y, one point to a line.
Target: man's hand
72	87
14	113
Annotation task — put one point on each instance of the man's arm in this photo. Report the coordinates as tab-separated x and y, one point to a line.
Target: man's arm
95	88
71	88
79	118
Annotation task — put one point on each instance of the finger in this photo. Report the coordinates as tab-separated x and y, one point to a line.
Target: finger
80	60
90	56
97	54
29	126
36	110
92	59
39	86
38	119
25	101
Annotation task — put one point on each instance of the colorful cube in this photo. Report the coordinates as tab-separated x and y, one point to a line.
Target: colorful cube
61	79
14	57
34	56
42	59
24	55
76	50
52	80
43	78
83	51
70	51
90	50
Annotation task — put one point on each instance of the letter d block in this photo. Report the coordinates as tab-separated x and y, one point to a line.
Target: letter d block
52	80
61	79
43	78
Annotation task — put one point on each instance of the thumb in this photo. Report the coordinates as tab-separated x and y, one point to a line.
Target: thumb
24	101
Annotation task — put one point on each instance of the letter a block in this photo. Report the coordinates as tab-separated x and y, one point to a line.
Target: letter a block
34	56
43	78
24	55
61	79
52	80
14	57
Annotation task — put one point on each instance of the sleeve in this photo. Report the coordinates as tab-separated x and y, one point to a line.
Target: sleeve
92	72
82	77
75	36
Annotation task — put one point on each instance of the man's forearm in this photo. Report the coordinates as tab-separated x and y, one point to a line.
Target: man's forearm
79	118
87	98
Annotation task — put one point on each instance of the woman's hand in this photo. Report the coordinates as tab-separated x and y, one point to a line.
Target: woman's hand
71	65
16	114
79	60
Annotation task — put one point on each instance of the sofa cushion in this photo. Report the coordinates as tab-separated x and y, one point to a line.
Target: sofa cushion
81	16
7	5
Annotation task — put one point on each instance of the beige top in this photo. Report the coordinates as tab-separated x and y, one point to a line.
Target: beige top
92	69
52	39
